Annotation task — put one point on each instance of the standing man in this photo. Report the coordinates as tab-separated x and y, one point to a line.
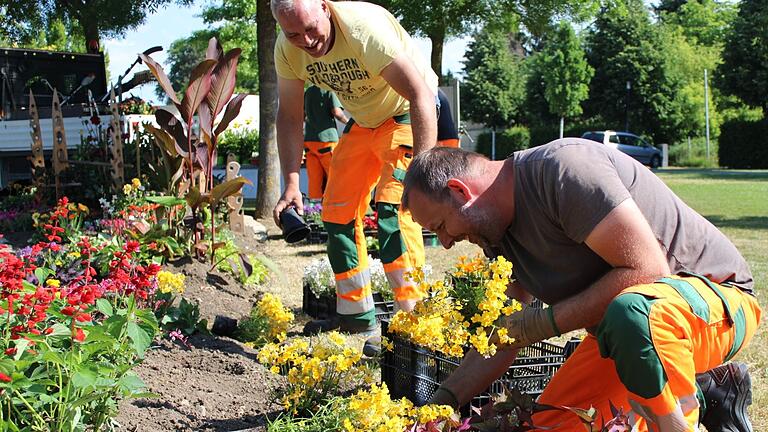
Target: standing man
662	293
361	52
321	110
447	135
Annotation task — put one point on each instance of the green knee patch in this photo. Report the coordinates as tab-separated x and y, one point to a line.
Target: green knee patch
342	250
624	335
740	330
391	245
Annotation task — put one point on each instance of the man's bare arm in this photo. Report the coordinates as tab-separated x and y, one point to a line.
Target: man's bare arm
290	141
626	242
338	113
402	75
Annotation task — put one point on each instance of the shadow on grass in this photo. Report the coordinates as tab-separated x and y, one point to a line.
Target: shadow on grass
717	174
746	222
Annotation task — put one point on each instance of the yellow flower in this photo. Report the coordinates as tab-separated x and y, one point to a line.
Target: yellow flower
168	282
136	183
127	189
53	283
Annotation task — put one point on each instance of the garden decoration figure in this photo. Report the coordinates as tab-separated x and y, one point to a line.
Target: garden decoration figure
663	294
321	110
360	52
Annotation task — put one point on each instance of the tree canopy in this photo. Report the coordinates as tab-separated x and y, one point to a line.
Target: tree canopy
95	18
566	73
626	51
744	71
495	85
441	20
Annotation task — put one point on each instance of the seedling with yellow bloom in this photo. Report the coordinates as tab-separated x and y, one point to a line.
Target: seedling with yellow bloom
316	368
268	322
442	322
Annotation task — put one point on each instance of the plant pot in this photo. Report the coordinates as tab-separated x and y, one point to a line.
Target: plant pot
294	227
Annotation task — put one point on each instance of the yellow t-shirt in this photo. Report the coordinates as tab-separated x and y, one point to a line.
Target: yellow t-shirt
368	39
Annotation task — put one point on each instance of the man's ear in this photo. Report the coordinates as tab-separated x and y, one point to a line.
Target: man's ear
460	191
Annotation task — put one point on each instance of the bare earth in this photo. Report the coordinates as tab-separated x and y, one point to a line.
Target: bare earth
215	383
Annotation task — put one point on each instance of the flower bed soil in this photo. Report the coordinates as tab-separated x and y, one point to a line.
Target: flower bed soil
216	384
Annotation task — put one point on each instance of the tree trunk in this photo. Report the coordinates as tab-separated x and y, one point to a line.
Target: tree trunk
92	42
436	57
269	165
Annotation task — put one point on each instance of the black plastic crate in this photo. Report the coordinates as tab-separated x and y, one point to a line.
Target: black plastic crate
415	372
430	238
317	233
325	307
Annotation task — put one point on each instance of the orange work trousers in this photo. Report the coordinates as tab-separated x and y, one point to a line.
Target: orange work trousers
368	158
318	155
645	355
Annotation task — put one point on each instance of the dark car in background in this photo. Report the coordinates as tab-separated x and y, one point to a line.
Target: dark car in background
628	143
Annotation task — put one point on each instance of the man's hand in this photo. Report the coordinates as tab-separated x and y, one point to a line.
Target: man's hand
291	198
530	325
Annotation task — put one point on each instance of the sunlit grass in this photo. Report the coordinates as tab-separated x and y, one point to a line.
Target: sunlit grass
737	202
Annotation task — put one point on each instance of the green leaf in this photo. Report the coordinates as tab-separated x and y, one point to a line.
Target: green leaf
105	307
139	338
131	383
60	331
41	273
167	201
21	346
53	357
84	378
7	366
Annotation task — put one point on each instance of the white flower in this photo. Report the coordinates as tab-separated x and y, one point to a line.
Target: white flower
320	278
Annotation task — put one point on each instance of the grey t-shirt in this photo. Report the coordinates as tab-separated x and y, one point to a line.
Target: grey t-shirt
565	188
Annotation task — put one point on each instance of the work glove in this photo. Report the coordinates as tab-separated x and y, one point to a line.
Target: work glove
529	325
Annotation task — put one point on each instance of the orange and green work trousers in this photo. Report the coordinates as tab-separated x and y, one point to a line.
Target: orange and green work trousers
317	156
366	159
647	350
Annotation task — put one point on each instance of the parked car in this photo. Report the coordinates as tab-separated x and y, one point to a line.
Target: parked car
628	143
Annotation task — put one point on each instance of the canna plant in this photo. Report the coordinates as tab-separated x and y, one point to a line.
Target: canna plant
211	86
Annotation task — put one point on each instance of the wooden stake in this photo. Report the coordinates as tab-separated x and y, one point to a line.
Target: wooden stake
60	155
37	159
116	145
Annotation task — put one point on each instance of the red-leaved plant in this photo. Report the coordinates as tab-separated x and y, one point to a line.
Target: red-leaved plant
208	94
513	411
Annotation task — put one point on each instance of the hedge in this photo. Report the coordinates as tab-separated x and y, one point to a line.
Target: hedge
508	141
744	144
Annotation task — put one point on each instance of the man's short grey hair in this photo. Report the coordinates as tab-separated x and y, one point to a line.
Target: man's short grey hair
430	171
279	6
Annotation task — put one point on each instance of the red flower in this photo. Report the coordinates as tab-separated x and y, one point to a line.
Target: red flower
83	317
69	311
79	335
5	378
10	351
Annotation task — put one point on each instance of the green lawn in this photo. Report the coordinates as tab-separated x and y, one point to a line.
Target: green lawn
737	202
